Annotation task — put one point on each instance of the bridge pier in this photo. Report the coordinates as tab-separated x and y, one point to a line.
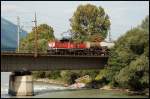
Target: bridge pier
20	84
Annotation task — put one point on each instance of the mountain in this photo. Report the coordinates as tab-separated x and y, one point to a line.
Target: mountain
9	35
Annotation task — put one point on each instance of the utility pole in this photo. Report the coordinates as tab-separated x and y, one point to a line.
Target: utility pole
18	32
109	35
36	37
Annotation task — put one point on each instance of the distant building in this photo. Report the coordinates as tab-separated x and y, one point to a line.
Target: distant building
9	35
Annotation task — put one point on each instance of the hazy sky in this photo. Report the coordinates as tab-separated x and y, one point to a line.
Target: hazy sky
123	14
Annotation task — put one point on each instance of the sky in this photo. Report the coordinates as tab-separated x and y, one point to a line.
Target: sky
124	15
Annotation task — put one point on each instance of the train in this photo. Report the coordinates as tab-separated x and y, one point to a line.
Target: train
67	47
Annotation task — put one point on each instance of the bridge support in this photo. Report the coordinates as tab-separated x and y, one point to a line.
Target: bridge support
20	84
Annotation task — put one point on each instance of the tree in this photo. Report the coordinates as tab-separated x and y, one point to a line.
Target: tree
135	76
128	65
145	24
89	23
45	33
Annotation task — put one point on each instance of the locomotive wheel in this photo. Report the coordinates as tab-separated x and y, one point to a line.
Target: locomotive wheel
88	52
96	52
79	52
85	52
72	52
61	52
65	52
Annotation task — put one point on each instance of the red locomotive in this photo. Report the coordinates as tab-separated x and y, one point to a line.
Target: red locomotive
66	47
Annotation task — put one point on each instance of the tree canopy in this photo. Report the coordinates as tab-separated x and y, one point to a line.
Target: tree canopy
89	23
45	33
128	65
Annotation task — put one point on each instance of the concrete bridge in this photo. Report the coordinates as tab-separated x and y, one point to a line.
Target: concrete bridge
22	83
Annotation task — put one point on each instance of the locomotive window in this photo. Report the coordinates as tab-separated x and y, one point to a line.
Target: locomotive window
64	40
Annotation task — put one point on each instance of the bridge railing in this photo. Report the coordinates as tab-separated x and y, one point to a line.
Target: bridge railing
59	53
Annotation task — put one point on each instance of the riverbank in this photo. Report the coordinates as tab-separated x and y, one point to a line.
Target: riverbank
106	87
128	91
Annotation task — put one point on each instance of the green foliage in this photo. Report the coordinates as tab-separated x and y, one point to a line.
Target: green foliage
45	33
91	73
69	76
54	74
145	24
38	74
85	80
128	65
135	75
88	21
103	74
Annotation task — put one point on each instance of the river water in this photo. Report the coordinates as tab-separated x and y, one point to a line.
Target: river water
44	90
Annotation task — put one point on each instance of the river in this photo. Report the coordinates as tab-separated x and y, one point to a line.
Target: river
44	90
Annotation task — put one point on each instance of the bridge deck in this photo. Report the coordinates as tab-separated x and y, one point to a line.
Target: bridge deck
18	61
46	54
